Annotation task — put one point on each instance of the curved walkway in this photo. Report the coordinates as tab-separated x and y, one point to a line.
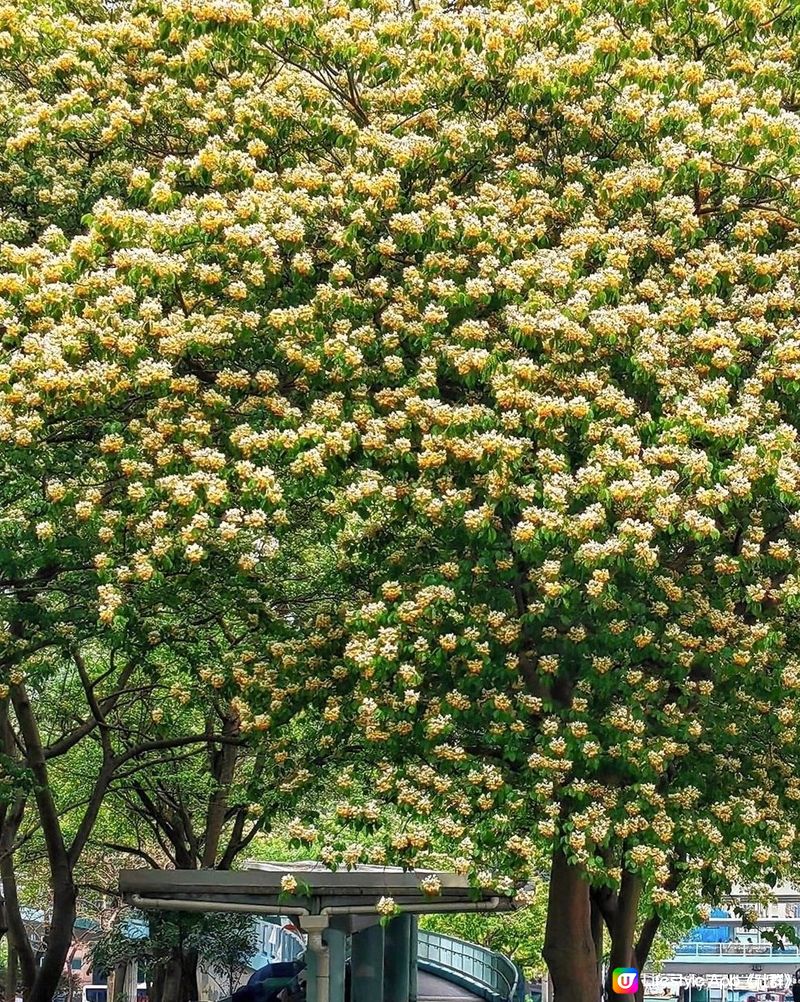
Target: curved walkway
433	989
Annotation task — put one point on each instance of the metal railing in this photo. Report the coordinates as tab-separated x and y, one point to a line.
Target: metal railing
745	950
487	974
277	941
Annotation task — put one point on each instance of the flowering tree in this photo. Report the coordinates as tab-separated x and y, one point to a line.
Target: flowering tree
76	739
593	442
508	292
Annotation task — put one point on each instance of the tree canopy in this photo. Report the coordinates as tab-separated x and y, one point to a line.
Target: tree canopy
495	308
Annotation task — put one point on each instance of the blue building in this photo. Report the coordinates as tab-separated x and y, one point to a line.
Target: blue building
745	947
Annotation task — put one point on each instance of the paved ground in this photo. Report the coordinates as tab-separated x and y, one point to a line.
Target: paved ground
432	989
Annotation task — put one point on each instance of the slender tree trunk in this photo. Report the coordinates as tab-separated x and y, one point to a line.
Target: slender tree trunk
117	983
156	987
71	975
11	974
223	768
569	949
597	937
64	891
17	933
4	810
12	815
59	940
623	928
642	950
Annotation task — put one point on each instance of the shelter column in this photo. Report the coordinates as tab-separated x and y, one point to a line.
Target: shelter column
317	959
336	940
412	962
312	975
366	960
397	958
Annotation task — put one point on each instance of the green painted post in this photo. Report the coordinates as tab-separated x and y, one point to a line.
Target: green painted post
366	963
397	959
413	969
311	976
336	943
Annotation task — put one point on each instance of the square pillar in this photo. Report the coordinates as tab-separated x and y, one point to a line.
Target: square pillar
413	990
312	976
335	940
397	959
366	965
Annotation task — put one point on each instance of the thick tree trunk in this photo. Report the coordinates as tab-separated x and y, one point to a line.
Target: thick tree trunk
569	949
172	983
175	978
58	941
190	989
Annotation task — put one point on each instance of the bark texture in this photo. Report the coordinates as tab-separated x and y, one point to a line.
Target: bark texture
569	947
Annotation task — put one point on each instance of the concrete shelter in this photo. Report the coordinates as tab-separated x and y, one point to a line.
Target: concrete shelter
329	906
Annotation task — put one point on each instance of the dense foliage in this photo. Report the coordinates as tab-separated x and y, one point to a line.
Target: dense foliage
162	944
495	308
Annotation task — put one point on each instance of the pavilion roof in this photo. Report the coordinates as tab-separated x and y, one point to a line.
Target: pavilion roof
257	889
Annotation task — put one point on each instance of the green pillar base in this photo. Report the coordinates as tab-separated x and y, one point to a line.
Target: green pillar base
336	942
366	965
413	989
397	959
311	976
